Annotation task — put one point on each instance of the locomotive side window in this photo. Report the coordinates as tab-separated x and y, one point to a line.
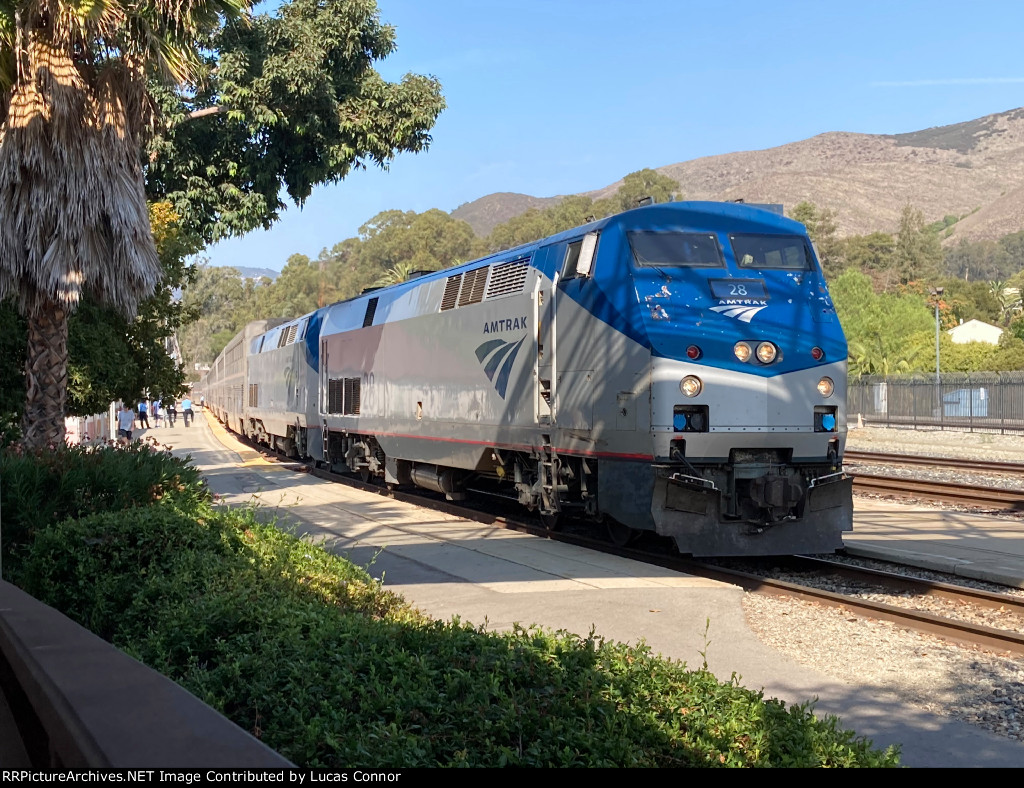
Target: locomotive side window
693	250
783	252
572	256
579	257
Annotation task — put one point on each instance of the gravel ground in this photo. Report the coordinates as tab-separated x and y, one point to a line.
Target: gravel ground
979	687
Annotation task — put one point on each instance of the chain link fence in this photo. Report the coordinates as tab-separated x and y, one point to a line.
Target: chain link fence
975	402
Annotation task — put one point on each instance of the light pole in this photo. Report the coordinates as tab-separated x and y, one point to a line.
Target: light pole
937	293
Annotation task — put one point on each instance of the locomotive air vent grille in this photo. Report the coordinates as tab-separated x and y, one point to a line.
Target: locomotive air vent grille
371	309
352	395
473	284
335	395
508	278
287	336
451	292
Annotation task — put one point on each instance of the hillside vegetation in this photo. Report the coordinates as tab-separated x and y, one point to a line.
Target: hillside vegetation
973	168
873	277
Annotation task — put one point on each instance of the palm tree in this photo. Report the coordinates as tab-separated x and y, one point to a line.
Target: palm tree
399	272
75	107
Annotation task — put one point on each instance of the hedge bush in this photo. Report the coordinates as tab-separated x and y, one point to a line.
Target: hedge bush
310	654
44	486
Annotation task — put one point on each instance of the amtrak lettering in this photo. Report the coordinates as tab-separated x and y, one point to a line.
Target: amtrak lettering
506	324
742	309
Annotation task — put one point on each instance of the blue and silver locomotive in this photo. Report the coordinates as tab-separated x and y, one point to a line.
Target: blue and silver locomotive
677	368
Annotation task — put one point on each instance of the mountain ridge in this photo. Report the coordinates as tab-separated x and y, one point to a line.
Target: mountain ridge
973	169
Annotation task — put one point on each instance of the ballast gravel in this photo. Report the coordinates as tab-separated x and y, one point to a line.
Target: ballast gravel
979	687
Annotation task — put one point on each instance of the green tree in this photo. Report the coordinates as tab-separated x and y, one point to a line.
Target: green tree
298	290
397	273
642	184
821	226
871	254
917	254
73	216
290	101
977	261
224	302
1007	300
252	107
109	356
969	301
1009	354
577	210
888	331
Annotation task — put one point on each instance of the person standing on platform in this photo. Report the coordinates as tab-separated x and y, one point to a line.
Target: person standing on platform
186	410
143	415
156	412
172	411
125	424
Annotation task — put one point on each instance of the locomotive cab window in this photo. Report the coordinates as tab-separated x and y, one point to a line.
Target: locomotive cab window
783	252
662	249
572	255
579	257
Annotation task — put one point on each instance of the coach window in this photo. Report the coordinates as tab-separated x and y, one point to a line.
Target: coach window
663	249
783	252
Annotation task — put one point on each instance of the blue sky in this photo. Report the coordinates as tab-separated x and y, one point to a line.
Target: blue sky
567	96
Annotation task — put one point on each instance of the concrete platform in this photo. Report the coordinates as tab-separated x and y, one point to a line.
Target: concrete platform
969	545
447	566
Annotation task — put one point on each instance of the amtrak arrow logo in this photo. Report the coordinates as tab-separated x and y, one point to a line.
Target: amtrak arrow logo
741	312
492	354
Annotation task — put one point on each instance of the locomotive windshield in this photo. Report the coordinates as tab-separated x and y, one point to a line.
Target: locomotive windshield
786	252
657	250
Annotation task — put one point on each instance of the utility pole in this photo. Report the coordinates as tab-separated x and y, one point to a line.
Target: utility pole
937	293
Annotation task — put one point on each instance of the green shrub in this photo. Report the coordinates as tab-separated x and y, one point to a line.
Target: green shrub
309	653
42	487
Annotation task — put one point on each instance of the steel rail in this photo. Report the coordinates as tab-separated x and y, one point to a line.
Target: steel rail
888	458
959	494
949	629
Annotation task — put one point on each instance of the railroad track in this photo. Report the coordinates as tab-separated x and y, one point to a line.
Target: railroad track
901	587
881	458
954	630
958	631
970	495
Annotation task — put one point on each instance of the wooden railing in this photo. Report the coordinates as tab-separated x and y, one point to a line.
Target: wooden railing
69	699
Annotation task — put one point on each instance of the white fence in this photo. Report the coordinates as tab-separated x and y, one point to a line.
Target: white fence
98	428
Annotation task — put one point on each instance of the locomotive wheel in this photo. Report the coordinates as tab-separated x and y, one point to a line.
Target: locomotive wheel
364	475
620	535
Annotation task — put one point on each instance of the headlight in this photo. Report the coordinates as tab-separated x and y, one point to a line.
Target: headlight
691	386
742	351
766	352
826	387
